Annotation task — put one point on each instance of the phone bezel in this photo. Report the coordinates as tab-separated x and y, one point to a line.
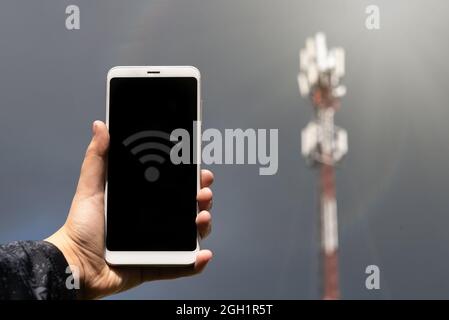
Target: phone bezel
154	257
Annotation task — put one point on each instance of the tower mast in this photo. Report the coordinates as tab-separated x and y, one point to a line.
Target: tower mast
324	144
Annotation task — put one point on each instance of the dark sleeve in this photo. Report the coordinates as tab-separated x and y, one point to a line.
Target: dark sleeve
33	270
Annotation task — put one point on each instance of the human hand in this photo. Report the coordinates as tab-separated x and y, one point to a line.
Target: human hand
81	238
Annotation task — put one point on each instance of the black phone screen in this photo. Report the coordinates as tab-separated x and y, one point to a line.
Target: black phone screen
151	202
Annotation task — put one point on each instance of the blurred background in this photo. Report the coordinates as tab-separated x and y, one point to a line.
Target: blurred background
392	187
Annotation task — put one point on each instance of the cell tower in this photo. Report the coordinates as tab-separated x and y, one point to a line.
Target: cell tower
323	144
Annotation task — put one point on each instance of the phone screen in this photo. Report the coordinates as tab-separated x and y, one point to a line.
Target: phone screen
151	202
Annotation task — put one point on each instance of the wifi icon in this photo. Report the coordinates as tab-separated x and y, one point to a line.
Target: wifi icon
150	141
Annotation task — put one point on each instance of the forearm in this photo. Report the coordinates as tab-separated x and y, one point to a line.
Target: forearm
34	270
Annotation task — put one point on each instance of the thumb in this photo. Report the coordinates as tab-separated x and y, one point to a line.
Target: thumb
93	170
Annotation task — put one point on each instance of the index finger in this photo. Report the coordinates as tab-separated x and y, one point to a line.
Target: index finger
207	178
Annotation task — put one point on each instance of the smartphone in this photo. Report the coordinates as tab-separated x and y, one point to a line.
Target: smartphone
150	200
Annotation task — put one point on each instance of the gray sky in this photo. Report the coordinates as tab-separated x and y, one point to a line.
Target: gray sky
392	187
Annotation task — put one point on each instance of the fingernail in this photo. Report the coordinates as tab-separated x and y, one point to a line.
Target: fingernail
94	128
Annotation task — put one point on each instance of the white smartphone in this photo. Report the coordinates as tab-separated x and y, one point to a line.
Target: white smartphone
150	200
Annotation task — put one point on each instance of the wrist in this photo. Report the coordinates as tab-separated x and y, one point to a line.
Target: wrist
63	242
